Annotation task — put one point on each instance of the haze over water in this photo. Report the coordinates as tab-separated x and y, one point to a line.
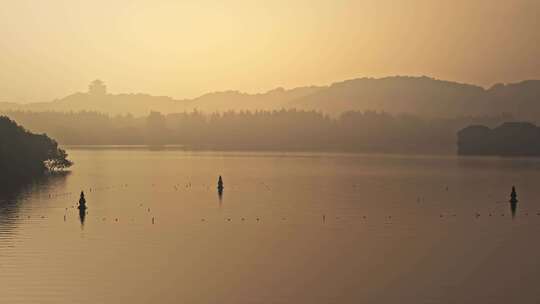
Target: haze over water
396	229
120	121
188	48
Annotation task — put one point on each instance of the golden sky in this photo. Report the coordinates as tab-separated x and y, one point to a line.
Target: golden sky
50	48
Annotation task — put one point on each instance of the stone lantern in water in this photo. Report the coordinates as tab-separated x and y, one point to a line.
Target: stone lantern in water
82	201
513	196
513	201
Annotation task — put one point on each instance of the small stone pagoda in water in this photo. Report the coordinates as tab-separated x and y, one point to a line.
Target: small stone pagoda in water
82	201
513	196
220	186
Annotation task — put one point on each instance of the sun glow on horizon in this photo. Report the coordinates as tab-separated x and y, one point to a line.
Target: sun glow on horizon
184	49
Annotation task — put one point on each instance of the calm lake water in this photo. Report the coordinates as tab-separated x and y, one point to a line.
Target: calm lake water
396	229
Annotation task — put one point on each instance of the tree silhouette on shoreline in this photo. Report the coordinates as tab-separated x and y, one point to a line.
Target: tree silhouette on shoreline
25	155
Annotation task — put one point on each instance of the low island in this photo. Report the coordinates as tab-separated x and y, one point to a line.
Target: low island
508	139
24	155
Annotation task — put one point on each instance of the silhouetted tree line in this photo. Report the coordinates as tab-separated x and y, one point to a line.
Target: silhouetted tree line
24	154
258	130
508	139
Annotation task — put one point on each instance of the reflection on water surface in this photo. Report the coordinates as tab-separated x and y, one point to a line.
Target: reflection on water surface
396	229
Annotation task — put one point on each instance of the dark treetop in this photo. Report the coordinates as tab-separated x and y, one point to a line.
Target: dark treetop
509	139
24	155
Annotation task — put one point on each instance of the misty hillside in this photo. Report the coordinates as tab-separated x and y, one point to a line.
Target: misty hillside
141	104
233	100
521	99
136	104
414	95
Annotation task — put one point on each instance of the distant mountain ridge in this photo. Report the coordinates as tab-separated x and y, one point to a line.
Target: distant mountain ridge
397	94
414	95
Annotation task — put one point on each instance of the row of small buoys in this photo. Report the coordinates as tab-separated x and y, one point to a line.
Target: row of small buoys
28	216
220	187
58	195
55	195
324	217
228	219
490	214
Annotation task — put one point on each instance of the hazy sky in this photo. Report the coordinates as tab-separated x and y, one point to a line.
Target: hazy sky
184	48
